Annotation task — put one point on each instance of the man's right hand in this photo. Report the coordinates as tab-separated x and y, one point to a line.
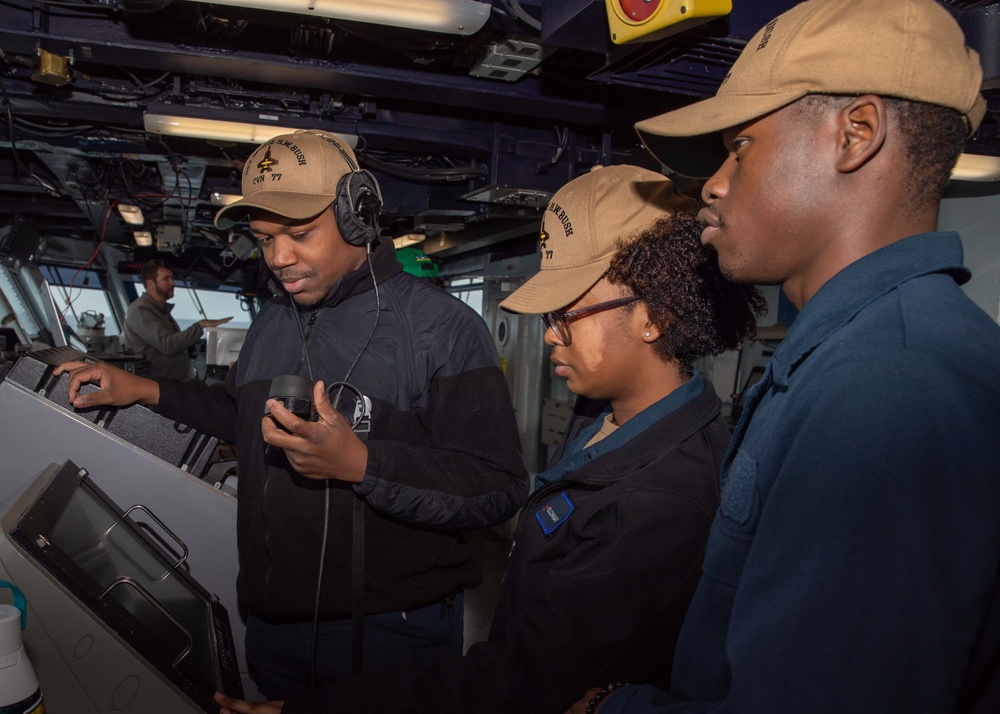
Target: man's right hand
116	387
214	323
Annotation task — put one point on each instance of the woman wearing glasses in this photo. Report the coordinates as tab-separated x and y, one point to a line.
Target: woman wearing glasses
608	549
631	299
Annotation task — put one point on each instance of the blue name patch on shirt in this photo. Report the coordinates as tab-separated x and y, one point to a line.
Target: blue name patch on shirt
554	513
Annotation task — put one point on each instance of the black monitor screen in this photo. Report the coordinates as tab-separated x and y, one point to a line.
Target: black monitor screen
137	586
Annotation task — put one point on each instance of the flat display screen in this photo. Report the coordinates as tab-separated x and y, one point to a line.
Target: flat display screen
132	576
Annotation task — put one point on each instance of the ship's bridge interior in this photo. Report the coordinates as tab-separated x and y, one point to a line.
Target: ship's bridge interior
124	128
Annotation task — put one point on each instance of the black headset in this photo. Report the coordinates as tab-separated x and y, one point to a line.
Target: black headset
358	203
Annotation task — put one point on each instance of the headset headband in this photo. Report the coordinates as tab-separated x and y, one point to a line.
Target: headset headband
347	157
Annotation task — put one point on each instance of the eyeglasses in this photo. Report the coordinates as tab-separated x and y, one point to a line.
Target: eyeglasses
558	321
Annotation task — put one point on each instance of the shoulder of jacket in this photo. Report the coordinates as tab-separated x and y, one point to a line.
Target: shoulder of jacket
424	304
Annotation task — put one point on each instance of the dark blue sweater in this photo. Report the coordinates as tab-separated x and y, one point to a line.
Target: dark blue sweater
853	565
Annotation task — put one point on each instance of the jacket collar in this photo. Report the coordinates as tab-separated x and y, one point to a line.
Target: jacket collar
671	427
858	285
148	299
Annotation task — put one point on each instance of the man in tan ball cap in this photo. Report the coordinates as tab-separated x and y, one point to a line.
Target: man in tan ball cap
349	528
853	563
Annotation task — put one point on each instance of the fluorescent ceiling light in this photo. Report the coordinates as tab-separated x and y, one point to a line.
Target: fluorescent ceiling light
132	214
974	167
408	240
217	130
456	17
143	239
224	199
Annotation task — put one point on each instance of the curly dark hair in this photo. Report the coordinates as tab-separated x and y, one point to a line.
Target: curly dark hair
698	311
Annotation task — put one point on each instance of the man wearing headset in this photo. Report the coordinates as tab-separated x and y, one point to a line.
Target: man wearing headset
357	528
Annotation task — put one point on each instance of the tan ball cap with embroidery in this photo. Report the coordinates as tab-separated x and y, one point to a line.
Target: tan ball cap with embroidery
581	228
292	175
910	49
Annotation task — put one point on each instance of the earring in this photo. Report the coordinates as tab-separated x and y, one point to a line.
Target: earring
647	333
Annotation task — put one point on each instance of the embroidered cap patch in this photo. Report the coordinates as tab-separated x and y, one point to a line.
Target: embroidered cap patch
554	513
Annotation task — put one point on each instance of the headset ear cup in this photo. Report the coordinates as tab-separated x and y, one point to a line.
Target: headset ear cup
357	207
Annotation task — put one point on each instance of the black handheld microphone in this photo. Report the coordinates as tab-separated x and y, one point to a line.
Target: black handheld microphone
294	393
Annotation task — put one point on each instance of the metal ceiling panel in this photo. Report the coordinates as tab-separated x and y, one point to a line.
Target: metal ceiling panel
435	134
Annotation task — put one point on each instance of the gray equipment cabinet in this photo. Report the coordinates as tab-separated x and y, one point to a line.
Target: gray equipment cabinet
36	430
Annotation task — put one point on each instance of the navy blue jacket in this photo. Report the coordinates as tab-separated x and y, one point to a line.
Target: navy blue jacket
854	562
600	595
443	452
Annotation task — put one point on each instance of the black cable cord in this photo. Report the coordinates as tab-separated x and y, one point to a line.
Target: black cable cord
562	135
32	128
139	84
371	271
521	15
185	219
341	386
13	148
344	384
443	175
326	515
314	643
302	334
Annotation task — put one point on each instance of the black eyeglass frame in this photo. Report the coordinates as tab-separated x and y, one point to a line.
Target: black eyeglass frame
558	321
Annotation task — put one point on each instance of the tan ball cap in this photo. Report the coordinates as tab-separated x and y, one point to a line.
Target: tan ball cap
292	175
910	49
581	228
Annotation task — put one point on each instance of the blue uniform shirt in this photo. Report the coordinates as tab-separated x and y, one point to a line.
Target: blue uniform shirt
853	564
577	453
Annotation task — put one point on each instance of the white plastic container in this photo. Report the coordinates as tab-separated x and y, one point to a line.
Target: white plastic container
19	690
